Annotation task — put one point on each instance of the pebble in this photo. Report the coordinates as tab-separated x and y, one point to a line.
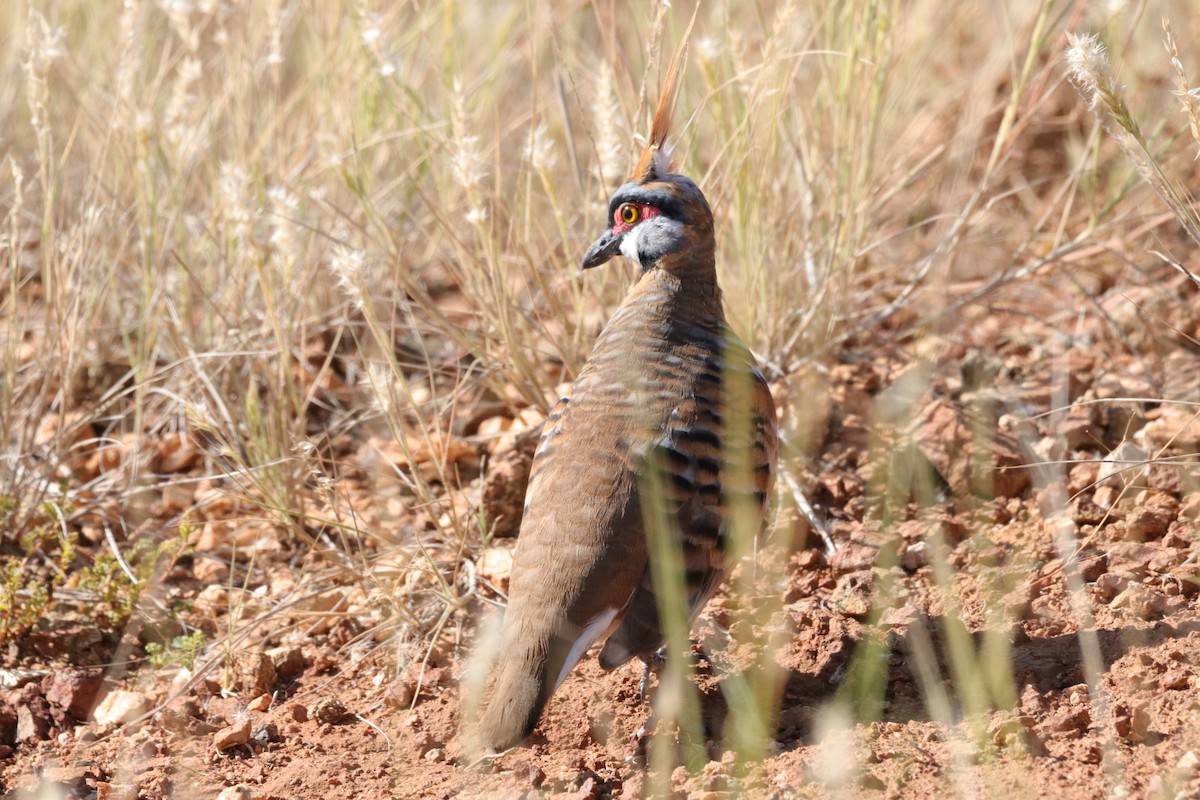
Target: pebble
255	673
289	662
234	735
297	711
915	556
1173	680
119	707
240	793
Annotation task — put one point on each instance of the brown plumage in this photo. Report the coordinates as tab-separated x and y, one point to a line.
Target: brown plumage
654	395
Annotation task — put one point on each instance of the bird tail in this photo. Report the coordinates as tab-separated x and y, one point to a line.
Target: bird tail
522	688
531	667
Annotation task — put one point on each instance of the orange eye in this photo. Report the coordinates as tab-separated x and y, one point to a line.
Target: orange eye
629	213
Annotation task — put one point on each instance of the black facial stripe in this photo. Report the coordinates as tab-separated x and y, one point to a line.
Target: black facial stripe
662	199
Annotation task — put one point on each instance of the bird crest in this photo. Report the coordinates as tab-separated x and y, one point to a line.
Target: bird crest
656	159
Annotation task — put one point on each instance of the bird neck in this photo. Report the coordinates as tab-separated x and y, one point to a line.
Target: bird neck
694	269
681	288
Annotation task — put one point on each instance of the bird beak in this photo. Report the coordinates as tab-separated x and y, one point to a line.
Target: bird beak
602	249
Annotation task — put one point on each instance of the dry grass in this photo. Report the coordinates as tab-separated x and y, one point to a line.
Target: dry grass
278	227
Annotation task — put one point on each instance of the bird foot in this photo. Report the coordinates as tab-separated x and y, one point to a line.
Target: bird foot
641	736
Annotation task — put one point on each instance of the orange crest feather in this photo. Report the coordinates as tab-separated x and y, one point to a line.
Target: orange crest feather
656	159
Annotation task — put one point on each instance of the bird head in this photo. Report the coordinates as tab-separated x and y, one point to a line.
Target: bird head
653	218
658	218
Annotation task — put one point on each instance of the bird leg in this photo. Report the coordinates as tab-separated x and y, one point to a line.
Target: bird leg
651	664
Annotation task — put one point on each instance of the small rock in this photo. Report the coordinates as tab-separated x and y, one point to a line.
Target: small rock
120	707
213	600
296	711
900	617
215	536
1173	680
1092	564
1146	602
1189	762
289	662
534	775
1133	723
240	793
312	609
400	693
1073	720
434	755
1142	524
1105	497
853	594
329	710
254	673
1189	509
16	678
495	566
74	690
1111	584
945	435
854	557
1081	476
234	735
492	427
178	497
915	556
416	679
1172	425
260	703
1008	730
210	570
31	727
116	791
1085	511
177	453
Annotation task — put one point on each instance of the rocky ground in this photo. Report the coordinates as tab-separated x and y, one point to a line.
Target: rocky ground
1015	508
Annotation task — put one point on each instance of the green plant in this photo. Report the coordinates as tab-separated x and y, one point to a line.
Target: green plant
181	651
119	579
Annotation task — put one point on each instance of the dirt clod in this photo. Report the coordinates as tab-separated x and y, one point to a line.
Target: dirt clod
329	711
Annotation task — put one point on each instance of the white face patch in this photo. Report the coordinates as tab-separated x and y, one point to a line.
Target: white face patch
651	240
629	245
